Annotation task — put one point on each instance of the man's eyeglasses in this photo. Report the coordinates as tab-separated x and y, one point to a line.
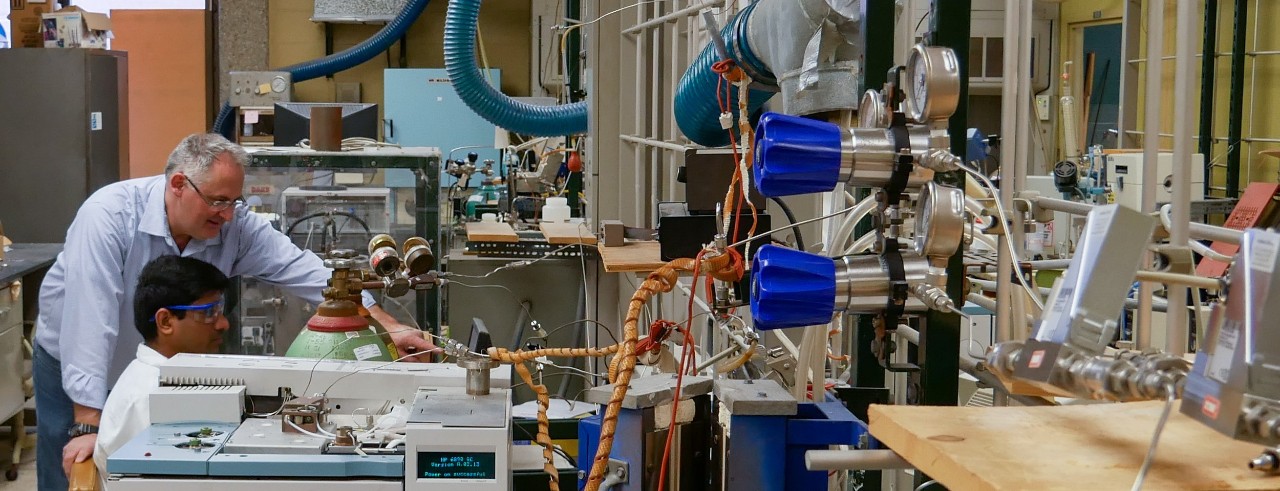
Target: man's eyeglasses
207	313
218	205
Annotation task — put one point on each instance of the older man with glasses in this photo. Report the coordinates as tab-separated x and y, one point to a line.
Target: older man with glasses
190	211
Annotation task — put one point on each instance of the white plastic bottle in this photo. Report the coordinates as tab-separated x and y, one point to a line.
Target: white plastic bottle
556	210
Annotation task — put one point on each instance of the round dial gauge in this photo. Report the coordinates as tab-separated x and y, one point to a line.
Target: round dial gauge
872	112
278	84
933	83
940	220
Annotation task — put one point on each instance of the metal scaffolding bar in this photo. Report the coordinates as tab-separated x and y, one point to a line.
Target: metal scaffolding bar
1235	105
673	16
1208	72
940	337
1131	27
1150	153
1178	334
879	31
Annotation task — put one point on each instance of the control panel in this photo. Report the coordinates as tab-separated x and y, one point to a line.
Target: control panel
260	88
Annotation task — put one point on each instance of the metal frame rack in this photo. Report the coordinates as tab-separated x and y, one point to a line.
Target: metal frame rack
1241	137
424	162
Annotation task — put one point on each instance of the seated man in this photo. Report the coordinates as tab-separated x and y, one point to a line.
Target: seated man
178	309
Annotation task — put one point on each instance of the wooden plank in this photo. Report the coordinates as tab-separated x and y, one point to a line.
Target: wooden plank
1093	447
491	232
633	257
567	233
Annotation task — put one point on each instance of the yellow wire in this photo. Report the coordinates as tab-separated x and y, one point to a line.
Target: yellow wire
484	55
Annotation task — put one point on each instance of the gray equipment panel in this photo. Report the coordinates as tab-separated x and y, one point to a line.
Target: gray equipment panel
755	397
457	409
645	392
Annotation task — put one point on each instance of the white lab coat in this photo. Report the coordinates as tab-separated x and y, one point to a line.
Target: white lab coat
128	408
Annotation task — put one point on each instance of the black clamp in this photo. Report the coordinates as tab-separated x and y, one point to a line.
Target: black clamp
891	249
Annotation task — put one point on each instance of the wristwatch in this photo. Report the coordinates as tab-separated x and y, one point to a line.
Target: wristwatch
79	429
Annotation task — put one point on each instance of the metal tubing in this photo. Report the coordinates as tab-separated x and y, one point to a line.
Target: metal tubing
1199	231
1208	72
1023	163
1005	329
1151	152
856	460
674	16
1235	104
1203	231
712	361
733	336
1176	337
1180	280
1050	264
1157	304
1062	205
653	143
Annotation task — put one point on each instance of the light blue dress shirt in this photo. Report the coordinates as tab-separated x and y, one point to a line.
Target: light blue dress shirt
86	301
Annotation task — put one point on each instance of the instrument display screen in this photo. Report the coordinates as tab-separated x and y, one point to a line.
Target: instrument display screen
457	465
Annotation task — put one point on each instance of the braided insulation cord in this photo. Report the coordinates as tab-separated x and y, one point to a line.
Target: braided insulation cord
543	438
726	267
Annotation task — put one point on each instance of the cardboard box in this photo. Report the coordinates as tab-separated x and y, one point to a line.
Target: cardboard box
74	27
24	22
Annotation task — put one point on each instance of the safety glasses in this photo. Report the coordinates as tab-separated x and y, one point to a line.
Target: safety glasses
207	313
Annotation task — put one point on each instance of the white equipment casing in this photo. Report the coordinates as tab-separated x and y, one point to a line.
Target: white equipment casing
459	442
221	404
263	376
1124	177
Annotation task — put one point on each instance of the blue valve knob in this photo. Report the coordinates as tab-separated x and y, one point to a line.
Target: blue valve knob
796	155
791	288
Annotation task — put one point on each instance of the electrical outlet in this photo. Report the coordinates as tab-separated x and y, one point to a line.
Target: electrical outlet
1042	107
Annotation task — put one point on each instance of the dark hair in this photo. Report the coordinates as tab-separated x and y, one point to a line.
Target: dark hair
168	281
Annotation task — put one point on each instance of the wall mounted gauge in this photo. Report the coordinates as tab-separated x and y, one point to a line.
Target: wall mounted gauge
872	112
279	84
933	83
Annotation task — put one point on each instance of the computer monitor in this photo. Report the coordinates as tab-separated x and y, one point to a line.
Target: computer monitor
293	121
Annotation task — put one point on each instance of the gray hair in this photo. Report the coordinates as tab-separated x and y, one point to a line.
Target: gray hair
196	154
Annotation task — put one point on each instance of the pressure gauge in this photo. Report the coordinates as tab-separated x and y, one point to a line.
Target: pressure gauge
872	112
279	84
933	83
939	220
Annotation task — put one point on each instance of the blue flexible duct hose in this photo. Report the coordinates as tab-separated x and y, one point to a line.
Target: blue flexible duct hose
341	60
696	109
489	103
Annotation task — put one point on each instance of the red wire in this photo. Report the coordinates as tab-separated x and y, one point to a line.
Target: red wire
685	355
725	106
